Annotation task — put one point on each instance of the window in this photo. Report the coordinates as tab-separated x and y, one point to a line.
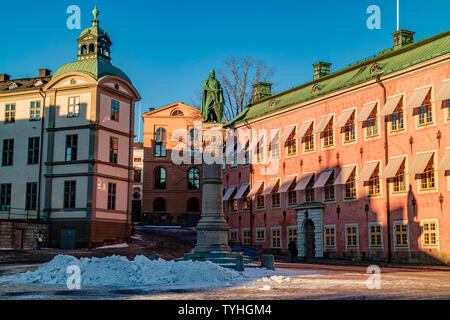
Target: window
310	192
160	147
427	179
292	194
430	234
5	197
137	175
70	189
10	113
330	237
71	147
194	179
275	145
308	140
112	189
399	180
260	235
234	164
260	202
74	107
160	179
328	135
159	205
194	143
350	187
397	118
292	235
276	199
113	150
234	205
352	236
115	110
193	205
276	238
224	159
260	151
233	235
376	236
329	189
447	106
401	235
246	202
137	160
8	152
246	238
247	154
177	113
31	196
291	144
426	112
33	150
374	182
35	110
350	130
372	124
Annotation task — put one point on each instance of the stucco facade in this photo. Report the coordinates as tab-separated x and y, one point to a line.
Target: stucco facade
368	214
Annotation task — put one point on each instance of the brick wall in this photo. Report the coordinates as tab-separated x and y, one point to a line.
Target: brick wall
29	231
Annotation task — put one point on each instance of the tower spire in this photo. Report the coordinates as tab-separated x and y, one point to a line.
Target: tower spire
95	13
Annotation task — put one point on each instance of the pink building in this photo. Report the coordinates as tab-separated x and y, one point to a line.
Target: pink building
354	164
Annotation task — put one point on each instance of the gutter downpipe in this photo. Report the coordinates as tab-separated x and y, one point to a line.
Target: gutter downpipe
41	151
386	153
251	179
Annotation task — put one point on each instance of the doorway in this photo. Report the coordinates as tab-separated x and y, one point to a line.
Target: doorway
18	239
310	242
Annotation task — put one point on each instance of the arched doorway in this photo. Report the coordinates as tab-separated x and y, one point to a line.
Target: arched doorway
310	244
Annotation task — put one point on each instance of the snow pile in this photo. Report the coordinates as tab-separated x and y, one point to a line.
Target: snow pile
114	246
276	279
119	271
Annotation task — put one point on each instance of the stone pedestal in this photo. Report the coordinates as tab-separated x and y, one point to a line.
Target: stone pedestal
212	229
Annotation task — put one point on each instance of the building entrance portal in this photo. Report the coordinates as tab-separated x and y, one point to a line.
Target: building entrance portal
310	242
310	230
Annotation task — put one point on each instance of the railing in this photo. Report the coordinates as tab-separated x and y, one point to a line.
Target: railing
8	213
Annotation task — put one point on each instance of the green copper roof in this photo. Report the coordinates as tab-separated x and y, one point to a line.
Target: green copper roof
389	60
96	31
96	68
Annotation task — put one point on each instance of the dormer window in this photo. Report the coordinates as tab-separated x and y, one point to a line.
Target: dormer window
273	103
316	88
13	86
375	68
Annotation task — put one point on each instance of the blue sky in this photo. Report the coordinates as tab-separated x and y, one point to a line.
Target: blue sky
168	47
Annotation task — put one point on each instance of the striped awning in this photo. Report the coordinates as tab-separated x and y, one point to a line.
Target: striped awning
229	193
445	164
287	184
323	123
287	133
343	119
444	94
323	179
304	128
303	183
420	164
273	185
392	168
256	189
367	172
390	105
346	172
242	191
417	98
366	111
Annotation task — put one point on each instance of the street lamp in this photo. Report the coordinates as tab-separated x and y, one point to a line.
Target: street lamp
338	211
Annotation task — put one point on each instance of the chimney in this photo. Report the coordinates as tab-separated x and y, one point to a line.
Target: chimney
321	69
403	38
261	91
151	109
44	73
4	77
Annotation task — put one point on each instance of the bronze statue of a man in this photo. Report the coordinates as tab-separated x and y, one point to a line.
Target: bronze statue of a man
212	100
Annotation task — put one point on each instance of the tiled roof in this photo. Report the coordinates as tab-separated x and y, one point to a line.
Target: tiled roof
24	84
389	60
96	68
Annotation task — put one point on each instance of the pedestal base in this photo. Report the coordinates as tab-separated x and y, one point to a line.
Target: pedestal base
224	259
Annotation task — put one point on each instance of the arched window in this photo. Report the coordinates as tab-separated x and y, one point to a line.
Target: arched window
160	147
177	113
194	143
193	205
83	50
160	179
159	205
194	179
91	48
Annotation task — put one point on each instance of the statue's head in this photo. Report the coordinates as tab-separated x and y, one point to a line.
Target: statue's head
212	74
